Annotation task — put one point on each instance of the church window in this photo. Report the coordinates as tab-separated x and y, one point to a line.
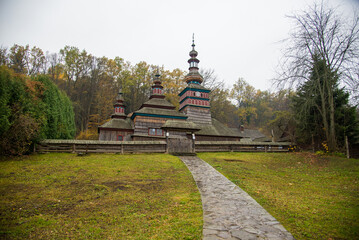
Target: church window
152	131
198	94
119	138
155	132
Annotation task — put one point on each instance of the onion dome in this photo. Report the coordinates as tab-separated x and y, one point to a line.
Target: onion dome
193	76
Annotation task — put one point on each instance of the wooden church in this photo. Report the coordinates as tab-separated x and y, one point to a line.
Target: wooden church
158	119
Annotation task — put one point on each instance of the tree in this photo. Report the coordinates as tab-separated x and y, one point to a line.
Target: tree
31	109
310	105
17	58
210	80
222	108
322	35
244	94
172	82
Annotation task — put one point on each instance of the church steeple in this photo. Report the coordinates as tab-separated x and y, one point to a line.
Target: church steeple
193	76
157	88
194	99
119	107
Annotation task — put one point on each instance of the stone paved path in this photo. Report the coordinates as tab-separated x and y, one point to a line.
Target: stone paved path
228	211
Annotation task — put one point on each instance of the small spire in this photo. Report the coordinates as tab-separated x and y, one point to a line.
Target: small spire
119	94
157	88
158	72
193	45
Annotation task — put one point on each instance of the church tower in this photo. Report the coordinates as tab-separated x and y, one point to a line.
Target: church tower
194	99
119	107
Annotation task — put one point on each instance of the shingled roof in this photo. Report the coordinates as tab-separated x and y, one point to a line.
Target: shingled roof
181	125
159	112
116	123
158	102
252	134
216	129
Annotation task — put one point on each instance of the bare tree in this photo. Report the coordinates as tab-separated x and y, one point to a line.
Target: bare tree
4	59
210	79
322	32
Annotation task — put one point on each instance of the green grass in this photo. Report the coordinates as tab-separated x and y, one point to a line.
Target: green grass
98	196
313	197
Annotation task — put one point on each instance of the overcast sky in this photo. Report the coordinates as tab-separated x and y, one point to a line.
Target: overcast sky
236	38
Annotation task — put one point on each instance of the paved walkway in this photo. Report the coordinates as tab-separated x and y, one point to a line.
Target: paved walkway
228	211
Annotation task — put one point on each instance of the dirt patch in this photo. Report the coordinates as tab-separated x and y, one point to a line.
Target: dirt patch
142	184
116	185
233	160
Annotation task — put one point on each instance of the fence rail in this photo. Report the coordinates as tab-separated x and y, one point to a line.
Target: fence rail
233	146
95	146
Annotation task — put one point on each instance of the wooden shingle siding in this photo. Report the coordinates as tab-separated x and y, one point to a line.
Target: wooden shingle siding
198	115
109	135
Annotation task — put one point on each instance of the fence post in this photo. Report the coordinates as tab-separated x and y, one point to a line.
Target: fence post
347	146
167	147
73	148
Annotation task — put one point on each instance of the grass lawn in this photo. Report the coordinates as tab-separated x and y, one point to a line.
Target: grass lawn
98	196
313	197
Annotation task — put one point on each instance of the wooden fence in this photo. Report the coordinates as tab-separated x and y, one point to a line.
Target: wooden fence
94	146
235	146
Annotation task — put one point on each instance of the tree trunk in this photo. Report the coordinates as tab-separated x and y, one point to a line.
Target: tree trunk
324	109
332	138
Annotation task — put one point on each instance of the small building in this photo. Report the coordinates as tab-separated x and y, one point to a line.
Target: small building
119	128
158	119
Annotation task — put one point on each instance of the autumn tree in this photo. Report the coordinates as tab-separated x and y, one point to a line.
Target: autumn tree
17	58
244	94
321	33
31	109
173	84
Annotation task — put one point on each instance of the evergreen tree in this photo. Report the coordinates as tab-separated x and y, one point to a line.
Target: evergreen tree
311	105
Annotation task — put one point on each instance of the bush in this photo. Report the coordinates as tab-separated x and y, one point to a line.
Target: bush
31	109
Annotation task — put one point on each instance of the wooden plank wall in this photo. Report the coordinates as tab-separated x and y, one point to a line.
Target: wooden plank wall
75	146
198	115
143	123
240	147
94	146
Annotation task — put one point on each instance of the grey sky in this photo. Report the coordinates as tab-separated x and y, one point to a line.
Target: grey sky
236	38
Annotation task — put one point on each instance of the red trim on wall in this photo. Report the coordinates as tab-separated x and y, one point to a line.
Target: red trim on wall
119	135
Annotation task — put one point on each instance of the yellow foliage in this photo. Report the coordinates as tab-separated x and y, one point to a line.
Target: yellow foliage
90	134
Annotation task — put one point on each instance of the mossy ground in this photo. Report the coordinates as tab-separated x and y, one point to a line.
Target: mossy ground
314	197
98	196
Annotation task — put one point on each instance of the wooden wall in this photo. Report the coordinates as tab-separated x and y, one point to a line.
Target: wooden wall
111	135
215	138
94	146
198	114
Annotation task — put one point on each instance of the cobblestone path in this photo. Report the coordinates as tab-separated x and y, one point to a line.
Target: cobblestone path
228	211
